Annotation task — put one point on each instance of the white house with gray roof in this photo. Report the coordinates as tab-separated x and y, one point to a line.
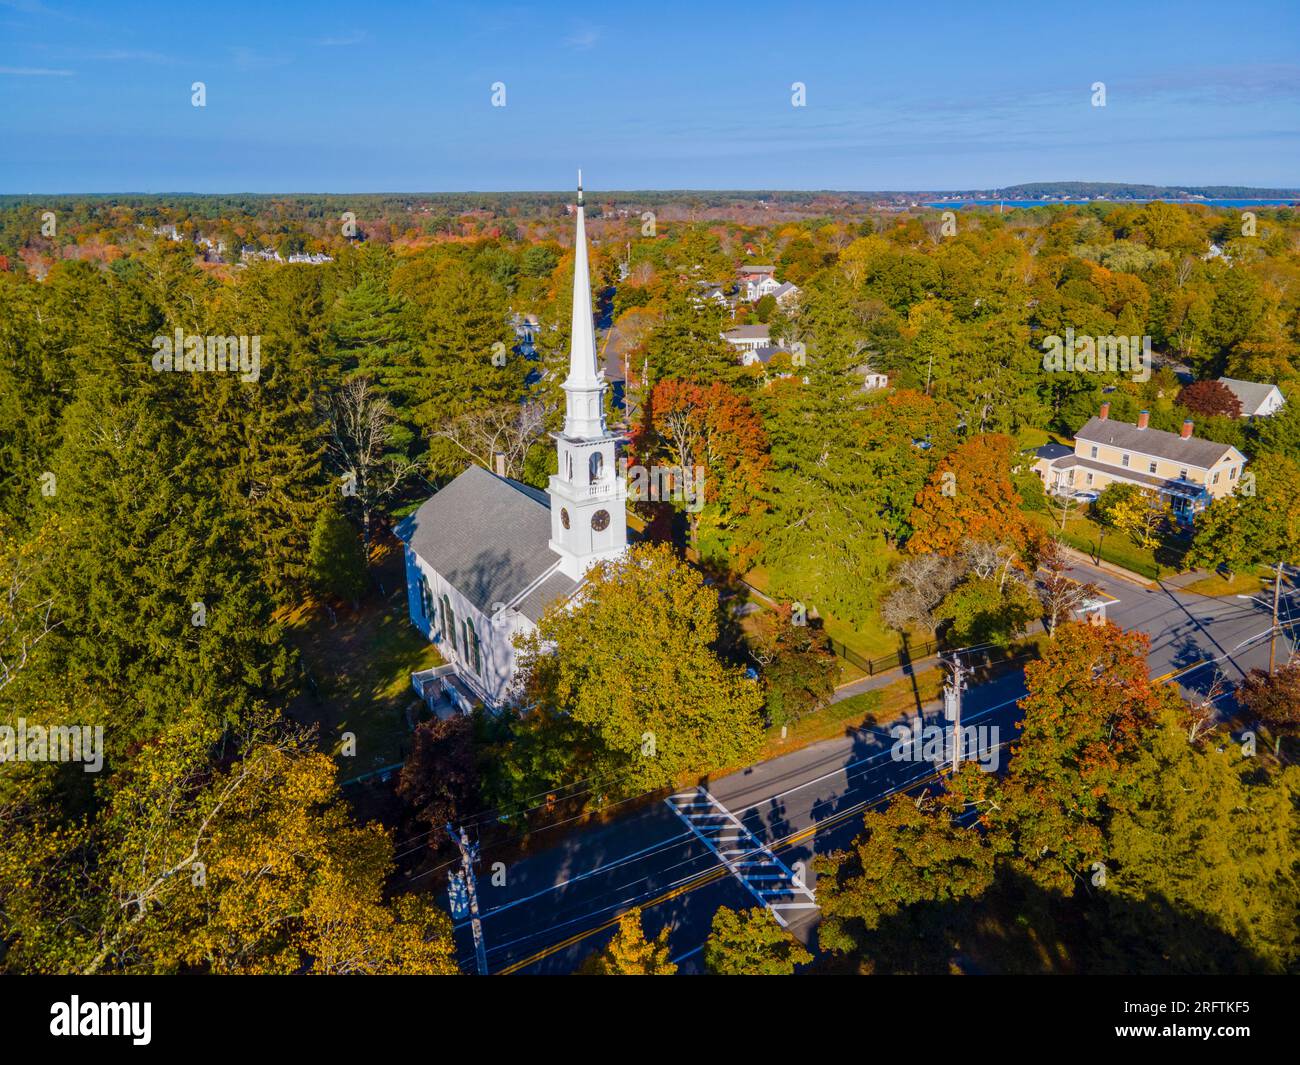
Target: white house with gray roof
487	555
748	337
1257	400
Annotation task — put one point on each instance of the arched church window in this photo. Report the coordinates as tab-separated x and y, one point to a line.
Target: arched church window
471	644
595	467
600	520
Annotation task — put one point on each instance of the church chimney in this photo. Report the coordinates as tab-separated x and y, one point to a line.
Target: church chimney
1143	418
1105	412
1187	428
499	463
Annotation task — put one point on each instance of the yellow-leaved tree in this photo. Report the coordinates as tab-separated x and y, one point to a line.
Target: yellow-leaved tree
215	856
629	953
1141	514
623	683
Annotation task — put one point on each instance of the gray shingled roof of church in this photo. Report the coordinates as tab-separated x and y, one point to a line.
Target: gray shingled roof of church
488	536
556	586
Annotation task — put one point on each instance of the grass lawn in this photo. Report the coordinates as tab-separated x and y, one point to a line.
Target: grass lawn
1237	584
1033	437
874	708
361	664
1084	534
871	639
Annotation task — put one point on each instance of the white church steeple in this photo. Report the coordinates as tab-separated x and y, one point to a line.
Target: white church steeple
584	388
588	515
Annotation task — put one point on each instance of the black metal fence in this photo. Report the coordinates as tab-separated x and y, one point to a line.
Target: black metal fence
872	666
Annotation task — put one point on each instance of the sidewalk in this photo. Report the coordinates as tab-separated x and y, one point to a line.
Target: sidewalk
913	668
1123	574
880	680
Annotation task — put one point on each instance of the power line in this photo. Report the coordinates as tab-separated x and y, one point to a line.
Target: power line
709	875
689	884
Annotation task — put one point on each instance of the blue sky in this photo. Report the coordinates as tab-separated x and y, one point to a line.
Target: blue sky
348	97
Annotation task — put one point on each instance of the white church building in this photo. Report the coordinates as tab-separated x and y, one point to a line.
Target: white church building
487	555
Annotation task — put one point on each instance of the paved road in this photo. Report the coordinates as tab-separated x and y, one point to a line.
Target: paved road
558	906
1193	635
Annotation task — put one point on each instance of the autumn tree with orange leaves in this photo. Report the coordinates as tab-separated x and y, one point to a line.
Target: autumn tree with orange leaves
688	425
969	497
1089	714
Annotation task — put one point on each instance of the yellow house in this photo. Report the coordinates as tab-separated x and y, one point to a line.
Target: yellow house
1187	471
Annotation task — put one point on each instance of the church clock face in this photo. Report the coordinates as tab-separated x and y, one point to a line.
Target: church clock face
564	517
600	520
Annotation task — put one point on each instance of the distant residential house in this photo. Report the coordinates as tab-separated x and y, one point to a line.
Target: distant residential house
748	337
761	355
526	327
248	253
786	293
871	380
706	291
315	258
213	250
1257	400
757	282
1185	470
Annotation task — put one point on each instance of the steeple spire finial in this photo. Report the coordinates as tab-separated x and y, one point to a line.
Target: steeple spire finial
580	186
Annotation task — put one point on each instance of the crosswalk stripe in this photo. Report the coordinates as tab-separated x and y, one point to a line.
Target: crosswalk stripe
740	860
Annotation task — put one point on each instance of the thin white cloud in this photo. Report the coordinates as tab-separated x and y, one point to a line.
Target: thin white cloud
345	40
126	55
583	38
248	59
34	7
36	72
28	7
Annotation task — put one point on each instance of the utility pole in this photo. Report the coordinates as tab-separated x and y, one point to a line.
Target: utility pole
468	856
1277	594
952	704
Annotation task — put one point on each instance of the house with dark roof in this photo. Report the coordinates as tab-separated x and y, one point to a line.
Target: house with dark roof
1257	400
761	355
1185	470
487	555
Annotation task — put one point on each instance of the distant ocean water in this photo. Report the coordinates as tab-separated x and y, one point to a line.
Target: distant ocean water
1047	203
